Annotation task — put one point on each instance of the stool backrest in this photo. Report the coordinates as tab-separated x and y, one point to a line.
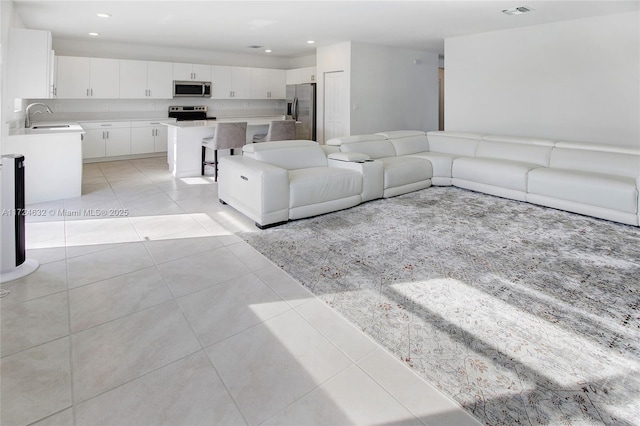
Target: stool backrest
229	135
281	130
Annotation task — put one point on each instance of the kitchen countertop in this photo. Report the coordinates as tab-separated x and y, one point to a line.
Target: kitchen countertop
73	127
251	121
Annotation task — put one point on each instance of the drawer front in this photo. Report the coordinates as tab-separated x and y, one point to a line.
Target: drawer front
90	125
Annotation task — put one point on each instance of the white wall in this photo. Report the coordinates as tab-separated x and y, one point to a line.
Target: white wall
94	48
8	19
302	62
572	80
393	89
336	57
386	88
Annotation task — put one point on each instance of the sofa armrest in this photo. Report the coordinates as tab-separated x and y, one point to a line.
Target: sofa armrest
372	175
354	157
329	149
257	189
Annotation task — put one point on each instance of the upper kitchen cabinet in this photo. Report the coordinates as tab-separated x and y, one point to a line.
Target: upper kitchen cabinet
308	75
146	79
191	72
30	64
301	75
267	83
80	77
230	82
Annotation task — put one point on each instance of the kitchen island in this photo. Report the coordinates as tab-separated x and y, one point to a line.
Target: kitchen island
52	160
184	141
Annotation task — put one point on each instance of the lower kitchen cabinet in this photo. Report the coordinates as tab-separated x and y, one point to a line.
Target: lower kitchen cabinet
93	143
148	137
106	139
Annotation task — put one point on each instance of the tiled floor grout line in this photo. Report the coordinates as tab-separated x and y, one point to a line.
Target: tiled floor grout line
291	302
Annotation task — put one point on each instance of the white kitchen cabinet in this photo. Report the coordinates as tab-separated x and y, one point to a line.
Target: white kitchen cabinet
145	79
30	61
276	84
308	75
106	139
81	77
259	83
267	83
148	137
221	85
293	76
230	82
191	72
93	144
241	82
160	80
301	75
74	77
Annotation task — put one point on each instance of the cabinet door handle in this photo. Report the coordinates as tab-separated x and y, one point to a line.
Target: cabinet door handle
87	92
107	134
91	92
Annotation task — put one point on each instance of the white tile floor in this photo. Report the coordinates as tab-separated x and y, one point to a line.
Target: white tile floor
164	316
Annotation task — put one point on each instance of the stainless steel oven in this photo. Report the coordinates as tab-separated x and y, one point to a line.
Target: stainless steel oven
189	113
194	89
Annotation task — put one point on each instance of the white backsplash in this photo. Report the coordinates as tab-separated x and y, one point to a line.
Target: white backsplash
112	109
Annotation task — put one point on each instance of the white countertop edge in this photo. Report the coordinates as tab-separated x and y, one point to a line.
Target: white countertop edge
74	127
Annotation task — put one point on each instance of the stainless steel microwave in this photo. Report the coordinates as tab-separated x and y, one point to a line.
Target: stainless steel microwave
194	89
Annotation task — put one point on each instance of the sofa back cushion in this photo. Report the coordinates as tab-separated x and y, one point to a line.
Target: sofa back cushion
290	155
612	160
454	143
375	146
516	150
407	142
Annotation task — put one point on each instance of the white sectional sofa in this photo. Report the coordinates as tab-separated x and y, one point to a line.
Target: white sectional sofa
273	182
401	173
596	180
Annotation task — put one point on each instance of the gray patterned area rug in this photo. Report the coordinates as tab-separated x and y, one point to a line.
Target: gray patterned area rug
523	314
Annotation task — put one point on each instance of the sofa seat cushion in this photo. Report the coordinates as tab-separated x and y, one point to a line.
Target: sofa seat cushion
321	184
399	171
595	189
441	163
490	171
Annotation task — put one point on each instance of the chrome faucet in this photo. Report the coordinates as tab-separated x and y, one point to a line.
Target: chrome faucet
27	119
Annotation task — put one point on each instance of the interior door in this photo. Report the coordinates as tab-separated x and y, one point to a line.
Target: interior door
335	110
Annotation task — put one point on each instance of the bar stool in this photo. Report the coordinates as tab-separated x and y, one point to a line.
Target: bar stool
226	136
279	130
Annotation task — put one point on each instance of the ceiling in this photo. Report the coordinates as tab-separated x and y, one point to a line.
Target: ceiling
285	27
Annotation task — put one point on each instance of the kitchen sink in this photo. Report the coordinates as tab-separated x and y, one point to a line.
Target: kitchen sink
52	126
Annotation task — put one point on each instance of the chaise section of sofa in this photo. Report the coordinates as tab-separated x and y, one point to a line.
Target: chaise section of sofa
590	179
273	182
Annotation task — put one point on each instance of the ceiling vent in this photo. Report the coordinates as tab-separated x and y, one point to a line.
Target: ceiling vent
517	11
254	46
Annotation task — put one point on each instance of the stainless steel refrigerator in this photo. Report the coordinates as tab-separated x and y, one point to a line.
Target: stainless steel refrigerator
301	106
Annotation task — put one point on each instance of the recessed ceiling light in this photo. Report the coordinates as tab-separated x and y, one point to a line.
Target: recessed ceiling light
103	15
311	41
268	50
94	34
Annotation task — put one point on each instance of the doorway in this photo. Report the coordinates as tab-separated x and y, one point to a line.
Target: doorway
441	99
335	101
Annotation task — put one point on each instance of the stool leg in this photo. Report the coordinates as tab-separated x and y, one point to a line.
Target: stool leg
215	158
204	152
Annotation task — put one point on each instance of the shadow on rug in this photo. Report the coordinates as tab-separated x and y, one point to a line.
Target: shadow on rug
523	314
